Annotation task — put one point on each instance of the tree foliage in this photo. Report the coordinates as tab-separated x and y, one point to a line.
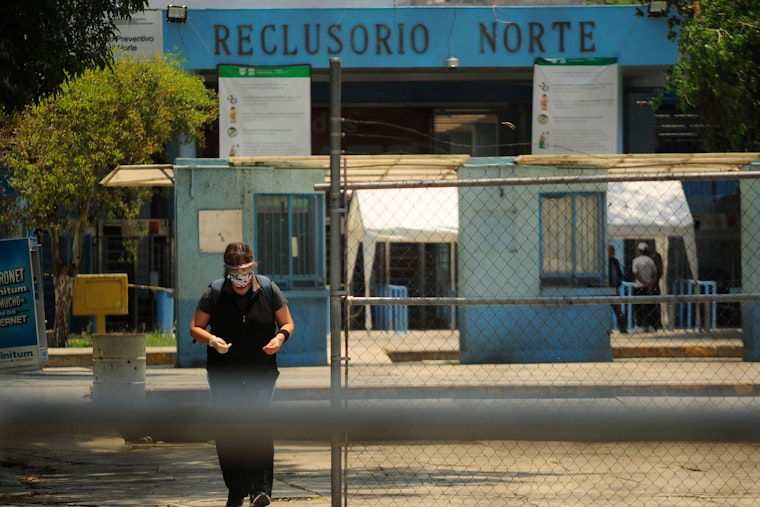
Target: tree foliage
717	74
62	147
44	41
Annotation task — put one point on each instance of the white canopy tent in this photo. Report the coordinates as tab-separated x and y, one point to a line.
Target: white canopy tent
652	209
399	215
649	209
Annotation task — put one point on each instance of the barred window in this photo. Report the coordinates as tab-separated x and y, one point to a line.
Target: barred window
572	239
289	236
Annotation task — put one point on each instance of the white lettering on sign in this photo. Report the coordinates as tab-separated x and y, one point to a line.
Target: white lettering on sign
12	276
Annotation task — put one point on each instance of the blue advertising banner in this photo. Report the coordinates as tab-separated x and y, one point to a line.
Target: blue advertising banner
19	341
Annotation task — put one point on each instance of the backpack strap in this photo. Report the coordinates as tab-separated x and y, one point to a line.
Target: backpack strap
266	287
216	292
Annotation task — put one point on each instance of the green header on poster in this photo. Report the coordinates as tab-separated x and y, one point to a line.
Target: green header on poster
249	71
575	61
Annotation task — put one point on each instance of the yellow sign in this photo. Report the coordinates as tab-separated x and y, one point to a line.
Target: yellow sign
100	295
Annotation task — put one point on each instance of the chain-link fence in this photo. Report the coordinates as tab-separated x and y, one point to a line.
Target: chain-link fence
495	291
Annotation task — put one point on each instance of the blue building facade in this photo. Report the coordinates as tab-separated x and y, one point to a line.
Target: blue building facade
419	80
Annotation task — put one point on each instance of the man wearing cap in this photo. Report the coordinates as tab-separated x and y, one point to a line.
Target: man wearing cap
645	278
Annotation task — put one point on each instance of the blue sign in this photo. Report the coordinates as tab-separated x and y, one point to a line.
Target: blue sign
19	344
419	37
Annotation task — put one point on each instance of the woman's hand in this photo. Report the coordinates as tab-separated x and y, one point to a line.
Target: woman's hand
273	346
219	345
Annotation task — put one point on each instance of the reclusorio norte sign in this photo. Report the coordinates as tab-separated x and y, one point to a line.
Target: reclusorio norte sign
419	37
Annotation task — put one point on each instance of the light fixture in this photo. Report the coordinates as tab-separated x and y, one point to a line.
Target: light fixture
452	63
176	14
657	8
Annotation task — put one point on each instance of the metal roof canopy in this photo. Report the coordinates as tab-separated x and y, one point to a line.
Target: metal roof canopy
361	168
382	168
148	175
645	163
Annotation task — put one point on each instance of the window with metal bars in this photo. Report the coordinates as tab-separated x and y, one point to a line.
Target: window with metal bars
289	232
572	239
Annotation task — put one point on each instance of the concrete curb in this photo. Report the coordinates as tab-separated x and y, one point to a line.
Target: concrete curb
167	356
670	351
61	358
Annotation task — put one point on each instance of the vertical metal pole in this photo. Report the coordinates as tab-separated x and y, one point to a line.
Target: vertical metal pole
336	215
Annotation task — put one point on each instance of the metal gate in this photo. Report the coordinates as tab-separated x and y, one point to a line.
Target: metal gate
532	349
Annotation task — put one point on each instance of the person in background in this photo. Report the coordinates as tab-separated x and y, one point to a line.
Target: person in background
243	331
657	258
615	275
645	276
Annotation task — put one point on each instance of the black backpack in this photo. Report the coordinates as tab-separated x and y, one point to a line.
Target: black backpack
216	291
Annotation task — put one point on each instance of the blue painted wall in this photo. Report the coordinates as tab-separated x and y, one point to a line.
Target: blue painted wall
532	334
211	184
498	257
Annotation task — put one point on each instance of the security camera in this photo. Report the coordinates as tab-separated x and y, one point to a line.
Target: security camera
452	63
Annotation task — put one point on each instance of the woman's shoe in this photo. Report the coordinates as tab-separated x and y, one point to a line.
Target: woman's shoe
260	499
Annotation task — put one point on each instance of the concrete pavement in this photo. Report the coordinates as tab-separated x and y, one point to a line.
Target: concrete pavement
423	364
104	470
384	347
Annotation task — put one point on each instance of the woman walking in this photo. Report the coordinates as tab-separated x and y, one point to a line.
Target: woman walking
244	320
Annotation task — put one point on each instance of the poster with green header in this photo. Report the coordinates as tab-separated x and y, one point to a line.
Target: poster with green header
23	345
264	111
576	106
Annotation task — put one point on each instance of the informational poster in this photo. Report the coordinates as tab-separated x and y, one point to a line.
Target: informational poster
576	106
21	307
264	111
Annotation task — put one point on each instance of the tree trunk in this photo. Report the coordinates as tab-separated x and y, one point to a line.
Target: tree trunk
63	288
64	277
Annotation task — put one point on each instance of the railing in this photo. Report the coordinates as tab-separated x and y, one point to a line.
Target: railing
689	316
685	315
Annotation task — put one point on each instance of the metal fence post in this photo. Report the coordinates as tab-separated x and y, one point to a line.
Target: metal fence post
336	294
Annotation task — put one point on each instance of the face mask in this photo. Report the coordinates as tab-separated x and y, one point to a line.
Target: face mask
240	275
240	281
